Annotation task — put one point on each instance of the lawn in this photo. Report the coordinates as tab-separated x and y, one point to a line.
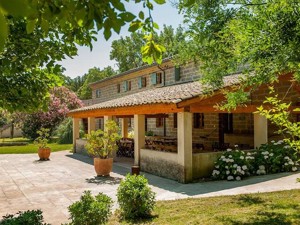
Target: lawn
276	208
31	148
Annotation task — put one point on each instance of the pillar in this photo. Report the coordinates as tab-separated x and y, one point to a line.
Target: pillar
124	124
139	137
75	132
105	119
185	145
91	124
260	130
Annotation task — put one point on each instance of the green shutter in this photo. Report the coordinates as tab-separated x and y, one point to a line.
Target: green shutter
153	78
140	82
125	85
177	73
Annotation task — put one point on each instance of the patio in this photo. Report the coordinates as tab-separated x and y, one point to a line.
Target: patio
52	186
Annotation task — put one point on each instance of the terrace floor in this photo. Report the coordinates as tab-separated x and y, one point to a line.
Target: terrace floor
26	183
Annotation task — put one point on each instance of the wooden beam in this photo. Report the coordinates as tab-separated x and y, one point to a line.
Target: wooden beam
195	108
129	110
157	116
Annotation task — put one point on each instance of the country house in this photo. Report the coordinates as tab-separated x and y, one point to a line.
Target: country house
178	131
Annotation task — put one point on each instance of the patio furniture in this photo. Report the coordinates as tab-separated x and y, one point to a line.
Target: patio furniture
125	147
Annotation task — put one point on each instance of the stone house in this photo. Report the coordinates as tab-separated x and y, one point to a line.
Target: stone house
171	103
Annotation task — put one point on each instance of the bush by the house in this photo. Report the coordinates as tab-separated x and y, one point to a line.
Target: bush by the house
269	158
64	132
135	197
29	217
91	210
232	165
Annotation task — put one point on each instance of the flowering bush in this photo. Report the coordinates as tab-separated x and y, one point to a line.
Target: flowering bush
274	158
232	165
269	158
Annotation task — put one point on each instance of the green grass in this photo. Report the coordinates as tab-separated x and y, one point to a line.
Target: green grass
31	148
19	139
276	208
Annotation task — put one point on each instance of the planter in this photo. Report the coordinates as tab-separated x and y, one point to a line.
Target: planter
103	166
44	153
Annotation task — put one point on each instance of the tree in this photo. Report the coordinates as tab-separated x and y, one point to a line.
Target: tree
93	75
252	37
35	34
62	100
127	51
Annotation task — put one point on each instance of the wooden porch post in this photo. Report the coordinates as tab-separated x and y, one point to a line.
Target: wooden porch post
185	145
75	132
260	130
124	124
105	120
91	124
139	137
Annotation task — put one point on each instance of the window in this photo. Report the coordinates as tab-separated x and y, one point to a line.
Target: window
127	85
228	122
142	82
198	120
175	120
118	88
156	78
177	73
159	122
98	93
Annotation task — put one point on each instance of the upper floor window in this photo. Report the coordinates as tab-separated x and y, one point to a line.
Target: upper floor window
198	120
127	85
118	88
98	93
156	78
159	122
142	82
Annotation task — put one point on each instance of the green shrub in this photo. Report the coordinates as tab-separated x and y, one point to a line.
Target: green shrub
90	210
29	217
64	132
135	197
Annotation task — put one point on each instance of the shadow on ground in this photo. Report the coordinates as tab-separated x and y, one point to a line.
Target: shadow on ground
104	180
192	188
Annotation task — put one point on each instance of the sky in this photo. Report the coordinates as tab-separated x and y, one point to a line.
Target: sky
99	56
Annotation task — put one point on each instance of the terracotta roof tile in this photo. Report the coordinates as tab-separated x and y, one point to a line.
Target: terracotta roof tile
168	94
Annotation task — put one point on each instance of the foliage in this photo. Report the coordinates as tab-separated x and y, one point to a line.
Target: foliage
258	38
149	133
91	210
64	131
135	197
274	158
268	158
232	165
276	208
127	51
93	75
43	138
278	113
3	119
102	143
28	217
62	100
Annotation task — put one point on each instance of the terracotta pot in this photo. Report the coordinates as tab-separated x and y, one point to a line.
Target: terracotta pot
103	166
44	153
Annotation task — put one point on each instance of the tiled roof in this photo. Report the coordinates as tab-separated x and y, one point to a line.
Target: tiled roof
168	95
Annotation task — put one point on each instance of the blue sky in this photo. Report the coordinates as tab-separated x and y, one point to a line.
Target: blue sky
99	57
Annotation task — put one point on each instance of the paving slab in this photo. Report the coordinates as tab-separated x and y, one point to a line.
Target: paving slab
26	183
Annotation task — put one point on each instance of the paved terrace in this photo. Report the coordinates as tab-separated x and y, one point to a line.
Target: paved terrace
26	183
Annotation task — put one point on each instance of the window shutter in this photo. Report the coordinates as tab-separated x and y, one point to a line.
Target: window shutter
140	82
125	85
177	73
153	78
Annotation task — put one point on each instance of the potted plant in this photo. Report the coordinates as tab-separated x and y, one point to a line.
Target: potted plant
101	145
41	141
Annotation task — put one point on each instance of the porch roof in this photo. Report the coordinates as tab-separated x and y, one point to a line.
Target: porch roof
167	95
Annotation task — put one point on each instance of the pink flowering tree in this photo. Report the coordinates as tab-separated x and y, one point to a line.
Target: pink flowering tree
62	100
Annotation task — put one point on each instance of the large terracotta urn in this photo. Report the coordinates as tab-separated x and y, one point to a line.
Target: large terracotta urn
103	166
44	153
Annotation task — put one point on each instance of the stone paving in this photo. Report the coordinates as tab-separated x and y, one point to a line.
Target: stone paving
26	183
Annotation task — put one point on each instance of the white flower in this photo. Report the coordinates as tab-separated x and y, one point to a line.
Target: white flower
231	160
230	178
226	167
266	156
238	178
262	167
291	162
249	153
272	141
286	147
217	166
271	154
275	143
244	167
286	164
294	168
242	172
230	156
280	142
236	146
242	157
286	157
229	149
222	157
227	172
234	165
215	172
